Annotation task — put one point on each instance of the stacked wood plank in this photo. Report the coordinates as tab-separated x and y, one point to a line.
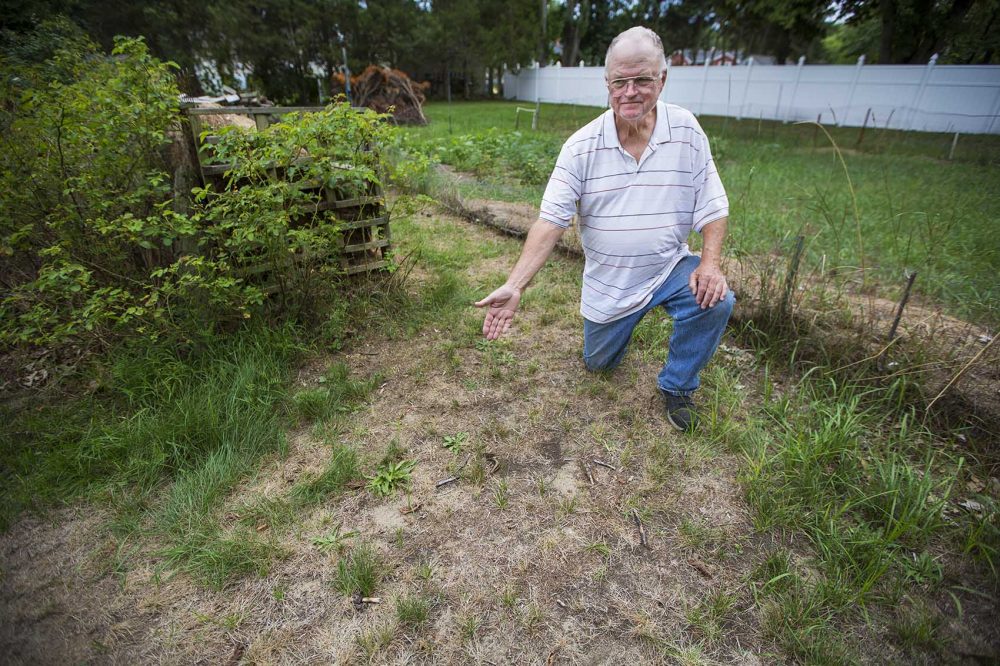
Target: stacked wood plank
361	215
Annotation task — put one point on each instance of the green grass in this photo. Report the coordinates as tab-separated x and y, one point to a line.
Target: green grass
341	470
337	393
360	571
840	465
917	211
413	611
196	423
166	438
711	614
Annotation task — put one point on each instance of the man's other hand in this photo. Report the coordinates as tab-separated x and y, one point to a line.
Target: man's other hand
502	304
708	285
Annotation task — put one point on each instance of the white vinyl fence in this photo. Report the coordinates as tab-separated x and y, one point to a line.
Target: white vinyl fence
932	98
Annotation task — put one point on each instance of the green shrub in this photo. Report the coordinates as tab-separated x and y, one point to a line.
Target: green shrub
92	242
527	157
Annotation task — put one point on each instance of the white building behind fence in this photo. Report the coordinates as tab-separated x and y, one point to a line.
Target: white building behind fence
931	97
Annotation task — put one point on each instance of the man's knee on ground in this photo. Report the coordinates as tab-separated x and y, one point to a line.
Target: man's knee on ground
597	363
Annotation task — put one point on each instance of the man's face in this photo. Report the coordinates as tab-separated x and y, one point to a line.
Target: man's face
634	80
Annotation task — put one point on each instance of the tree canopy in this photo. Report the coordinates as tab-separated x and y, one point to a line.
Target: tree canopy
286	45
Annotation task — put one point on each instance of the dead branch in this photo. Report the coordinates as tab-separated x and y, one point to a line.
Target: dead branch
604	464
642	529
387	91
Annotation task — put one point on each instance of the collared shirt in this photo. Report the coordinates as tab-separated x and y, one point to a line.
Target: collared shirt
634	217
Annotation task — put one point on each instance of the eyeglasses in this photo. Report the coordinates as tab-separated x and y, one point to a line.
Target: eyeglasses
640	82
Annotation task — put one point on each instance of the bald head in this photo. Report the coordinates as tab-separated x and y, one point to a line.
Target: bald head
636	46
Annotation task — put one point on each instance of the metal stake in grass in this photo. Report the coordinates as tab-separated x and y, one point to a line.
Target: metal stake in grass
902	304
954	143
861	133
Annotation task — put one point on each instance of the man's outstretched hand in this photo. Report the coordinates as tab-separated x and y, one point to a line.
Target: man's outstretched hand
708	285
502	304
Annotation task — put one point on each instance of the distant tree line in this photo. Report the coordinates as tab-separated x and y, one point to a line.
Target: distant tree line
461	46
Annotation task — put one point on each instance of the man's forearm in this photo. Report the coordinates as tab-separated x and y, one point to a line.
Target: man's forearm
712	235
542	238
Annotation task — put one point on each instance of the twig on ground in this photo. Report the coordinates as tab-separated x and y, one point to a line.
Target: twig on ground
410	509
642	529
604	464
445	482
586	470
371	600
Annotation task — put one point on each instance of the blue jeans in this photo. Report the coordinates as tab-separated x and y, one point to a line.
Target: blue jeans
694	339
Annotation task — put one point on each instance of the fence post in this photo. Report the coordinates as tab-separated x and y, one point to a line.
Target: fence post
704	82
536	74
861	134
902	304
920	90
850	93
991	121
793	271
795	88
746	88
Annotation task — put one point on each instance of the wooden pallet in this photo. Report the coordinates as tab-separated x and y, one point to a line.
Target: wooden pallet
362	216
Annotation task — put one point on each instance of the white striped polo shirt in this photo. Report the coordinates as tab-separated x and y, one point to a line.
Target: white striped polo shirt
634	217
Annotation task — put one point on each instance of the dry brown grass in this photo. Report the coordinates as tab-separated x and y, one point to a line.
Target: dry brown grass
531	420
556	575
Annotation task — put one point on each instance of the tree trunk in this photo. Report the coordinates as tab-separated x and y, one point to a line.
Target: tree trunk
888	9
543	40
783	48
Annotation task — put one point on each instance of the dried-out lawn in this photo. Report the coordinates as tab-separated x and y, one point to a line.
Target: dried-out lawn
533	555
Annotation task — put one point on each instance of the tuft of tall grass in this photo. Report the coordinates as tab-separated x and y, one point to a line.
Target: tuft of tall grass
360	571
337	393
167	438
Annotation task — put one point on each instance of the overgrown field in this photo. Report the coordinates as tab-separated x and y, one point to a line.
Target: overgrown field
916	210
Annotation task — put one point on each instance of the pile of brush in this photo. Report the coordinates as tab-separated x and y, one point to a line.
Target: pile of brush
387	91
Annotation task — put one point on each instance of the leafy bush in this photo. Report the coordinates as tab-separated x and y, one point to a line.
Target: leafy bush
92	242
84	201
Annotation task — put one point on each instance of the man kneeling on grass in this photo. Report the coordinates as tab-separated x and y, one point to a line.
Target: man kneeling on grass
641	178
